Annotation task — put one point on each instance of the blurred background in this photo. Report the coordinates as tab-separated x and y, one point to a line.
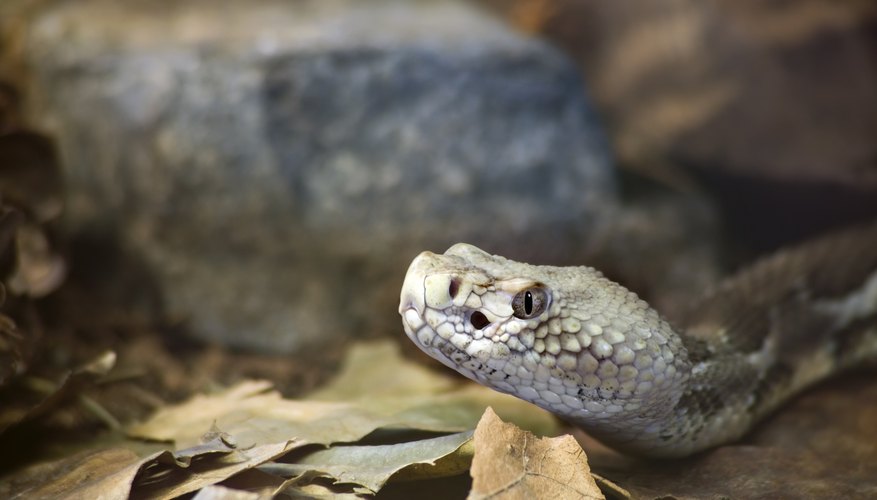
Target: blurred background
220	189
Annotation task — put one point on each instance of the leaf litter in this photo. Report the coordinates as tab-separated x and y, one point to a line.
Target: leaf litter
371	466
49	396
511	463
331	444
384	423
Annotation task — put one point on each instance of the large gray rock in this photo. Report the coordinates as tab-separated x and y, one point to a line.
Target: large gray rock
278	164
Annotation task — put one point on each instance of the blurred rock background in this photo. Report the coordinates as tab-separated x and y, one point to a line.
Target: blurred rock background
259	174
770	107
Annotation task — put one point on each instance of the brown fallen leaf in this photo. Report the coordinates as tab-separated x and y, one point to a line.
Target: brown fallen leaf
250	425
16	346
39	269
375	371
74	383
172	475
372	466
511	463
101	474
253	414
214	492
121	473
610	488
315	491
31	200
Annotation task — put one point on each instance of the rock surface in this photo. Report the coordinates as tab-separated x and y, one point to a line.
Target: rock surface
278	164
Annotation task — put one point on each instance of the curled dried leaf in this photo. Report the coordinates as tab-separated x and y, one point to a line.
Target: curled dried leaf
38	270
511	463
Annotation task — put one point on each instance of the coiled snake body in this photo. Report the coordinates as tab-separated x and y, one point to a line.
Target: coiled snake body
587	349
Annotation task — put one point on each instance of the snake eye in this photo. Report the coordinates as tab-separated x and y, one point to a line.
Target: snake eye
530	303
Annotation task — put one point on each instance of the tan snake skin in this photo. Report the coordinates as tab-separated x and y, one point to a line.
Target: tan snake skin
587	349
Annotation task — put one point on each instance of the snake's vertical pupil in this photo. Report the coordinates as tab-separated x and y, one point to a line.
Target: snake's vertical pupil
530	303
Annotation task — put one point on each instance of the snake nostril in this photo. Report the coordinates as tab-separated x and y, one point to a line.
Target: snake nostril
454	287
478	320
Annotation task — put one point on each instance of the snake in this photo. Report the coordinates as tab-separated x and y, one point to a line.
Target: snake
587	349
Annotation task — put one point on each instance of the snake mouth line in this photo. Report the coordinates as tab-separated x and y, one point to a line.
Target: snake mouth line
434	345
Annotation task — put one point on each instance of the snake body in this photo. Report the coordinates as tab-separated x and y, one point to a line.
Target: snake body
587	349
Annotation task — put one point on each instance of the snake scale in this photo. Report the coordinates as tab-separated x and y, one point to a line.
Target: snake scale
585	348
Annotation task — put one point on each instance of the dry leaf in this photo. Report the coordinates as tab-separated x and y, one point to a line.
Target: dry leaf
119	473
510	463
169	476
31	196
250	425
214	492
314	484
102	474
73	384
610	488
449	465
378	389
374	371
372	466
16	346
319	491
254	414
39	269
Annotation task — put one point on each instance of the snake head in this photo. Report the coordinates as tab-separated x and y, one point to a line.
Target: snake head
564	338
460	300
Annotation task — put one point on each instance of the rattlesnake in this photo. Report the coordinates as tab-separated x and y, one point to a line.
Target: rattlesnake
587	349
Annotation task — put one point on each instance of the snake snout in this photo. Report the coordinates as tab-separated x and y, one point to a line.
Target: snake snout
411	299
412	296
